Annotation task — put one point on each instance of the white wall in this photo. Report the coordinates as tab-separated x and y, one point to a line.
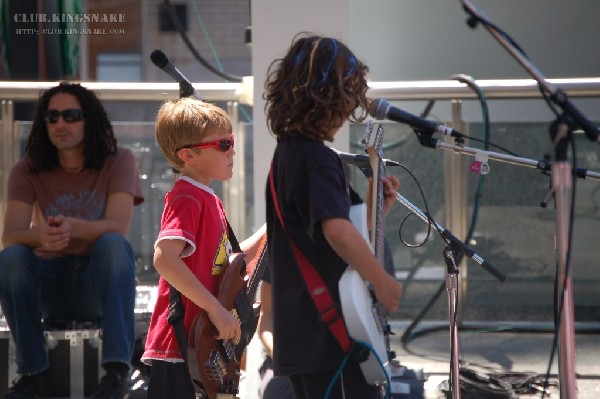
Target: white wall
429	39
274	25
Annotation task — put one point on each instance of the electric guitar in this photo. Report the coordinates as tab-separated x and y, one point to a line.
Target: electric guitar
366	319
215	364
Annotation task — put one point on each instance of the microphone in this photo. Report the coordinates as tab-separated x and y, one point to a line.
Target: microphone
381	109
185	87
361	160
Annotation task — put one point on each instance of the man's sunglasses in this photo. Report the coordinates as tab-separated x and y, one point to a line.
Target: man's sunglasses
222	145
69	115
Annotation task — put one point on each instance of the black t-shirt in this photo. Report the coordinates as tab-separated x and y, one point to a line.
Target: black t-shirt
311	186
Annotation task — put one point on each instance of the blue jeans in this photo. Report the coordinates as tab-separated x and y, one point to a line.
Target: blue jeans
98	287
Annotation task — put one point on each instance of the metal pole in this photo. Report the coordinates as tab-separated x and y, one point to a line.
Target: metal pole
562	185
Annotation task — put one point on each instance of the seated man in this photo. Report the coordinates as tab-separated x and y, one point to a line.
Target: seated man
69	206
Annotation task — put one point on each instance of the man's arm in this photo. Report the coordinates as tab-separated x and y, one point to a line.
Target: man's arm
117	219
17	226
55	234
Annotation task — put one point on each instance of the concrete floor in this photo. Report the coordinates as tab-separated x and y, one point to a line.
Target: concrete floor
485	352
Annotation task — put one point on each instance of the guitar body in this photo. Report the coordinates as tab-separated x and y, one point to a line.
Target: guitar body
364	322
362	314
214	364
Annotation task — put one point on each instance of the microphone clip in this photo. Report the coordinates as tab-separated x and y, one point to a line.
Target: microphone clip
425	138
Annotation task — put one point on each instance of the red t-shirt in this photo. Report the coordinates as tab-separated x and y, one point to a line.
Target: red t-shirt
194	214
81	195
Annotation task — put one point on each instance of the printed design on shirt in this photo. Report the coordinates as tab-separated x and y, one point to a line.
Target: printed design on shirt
85	204
222	254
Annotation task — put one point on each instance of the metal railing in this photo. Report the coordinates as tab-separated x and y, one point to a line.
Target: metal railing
235	93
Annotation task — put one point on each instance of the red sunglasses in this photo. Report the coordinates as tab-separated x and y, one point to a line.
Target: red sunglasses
222	145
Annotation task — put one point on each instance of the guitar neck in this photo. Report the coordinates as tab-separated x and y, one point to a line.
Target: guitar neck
374	140
378	217
256	267
254	271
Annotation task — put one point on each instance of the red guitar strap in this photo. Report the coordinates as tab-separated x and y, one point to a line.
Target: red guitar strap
316	287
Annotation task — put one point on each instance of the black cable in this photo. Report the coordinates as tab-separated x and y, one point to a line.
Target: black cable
190	46
476	385
429	218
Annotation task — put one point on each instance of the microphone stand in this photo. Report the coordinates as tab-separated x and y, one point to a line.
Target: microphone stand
561	173
561	183
186	89
452	253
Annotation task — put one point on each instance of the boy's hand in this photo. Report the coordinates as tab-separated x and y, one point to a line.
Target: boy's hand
228	326
390	184
388	291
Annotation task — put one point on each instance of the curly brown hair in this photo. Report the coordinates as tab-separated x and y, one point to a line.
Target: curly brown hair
315	88
99	140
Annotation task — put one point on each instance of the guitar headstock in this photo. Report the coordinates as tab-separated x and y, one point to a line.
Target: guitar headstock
373	138
373	141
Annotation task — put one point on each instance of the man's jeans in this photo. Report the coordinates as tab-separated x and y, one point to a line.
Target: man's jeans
99	287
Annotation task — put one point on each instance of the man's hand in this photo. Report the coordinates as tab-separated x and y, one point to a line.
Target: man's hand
56	234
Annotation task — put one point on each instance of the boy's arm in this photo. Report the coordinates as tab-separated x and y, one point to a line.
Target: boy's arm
168	263
349	244
250	245
265	323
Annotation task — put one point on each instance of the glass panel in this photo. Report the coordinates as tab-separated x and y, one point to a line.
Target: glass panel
512	230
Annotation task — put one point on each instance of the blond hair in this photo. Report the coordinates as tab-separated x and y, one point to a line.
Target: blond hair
187	121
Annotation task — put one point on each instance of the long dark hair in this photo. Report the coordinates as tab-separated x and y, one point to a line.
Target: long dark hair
99	140
315	88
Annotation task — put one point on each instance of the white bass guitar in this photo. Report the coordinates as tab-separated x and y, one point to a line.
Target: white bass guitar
365	318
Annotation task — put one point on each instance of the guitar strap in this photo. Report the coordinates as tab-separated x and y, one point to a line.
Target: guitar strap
317	289
176	310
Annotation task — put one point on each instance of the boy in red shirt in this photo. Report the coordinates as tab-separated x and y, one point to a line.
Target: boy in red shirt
193	243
